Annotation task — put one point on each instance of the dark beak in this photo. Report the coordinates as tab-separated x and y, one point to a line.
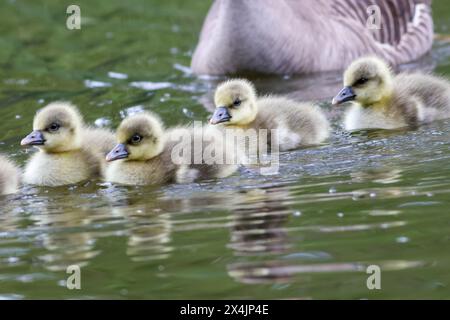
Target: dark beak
220	115
346	94
119	152
36	138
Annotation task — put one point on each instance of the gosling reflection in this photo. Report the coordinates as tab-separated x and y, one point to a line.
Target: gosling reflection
149	237
382	176
259	221
259	230
66	237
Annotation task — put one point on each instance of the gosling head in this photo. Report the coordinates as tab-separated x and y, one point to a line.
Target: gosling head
366	81
140	138
235	103
56	128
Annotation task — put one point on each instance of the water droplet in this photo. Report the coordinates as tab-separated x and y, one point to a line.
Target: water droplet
131	111
147	85
96	84
402	239
188	113
102	122
297	213
13	259
117	75
175	28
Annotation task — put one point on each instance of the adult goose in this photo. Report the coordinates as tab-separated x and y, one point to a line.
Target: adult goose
294	37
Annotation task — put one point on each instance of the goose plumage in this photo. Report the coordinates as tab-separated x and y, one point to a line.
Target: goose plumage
292	37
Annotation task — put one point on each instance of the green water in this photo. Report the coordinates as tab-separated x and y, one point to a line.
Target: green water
308	232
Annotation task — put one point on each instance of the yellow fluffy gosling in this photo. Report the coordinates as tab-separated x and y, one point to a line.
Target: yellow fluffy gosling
69	151
382	100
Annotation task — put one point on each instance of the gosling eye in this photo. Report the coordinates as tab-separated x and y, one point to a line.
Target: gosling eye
361	81
136	139
53	127
237	102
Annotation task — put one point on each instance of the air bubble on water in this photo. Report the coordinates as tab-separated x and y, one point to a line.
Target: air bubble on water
96	84
131	111
297	213
175	28
117	75
184	69
62	283
102	122
147	85
13	259
188	113
402	239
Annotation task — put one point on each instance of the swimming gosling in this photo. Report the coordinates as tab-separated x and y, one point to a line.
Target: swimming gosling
382	100
9	176
146	152
295	124
69	151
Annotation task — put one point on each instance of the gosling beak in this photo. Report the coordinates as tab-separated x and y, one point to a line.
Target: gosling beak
35	138
220	115
119	152
346	94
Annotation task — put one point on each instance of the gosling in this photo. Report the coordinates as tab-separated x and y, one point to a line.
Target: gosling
294	124
150	155
9	176
381	100
69	151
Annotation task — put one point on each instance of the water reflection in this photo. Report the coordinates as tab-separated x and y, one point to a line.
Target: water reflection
259	222
364	198
382	176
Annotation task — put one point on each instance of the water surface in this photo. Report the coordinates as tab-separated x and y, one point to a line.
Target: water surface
308	232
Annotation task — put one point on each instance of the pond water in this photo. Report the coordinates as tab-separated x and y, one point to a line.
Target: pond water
375	198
